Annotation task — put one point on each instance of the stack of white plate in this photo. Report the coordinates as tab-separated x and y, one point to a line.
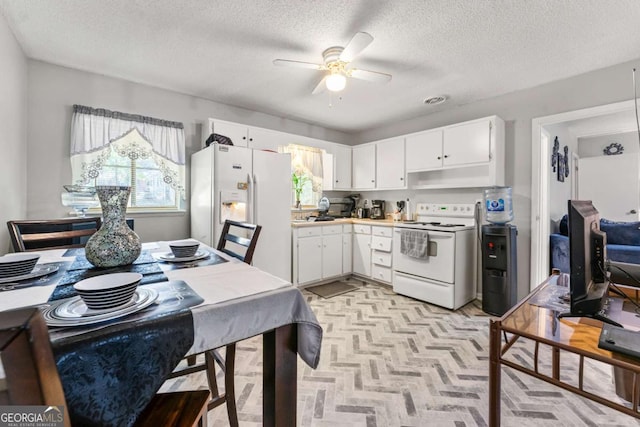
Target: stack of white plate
184	248
17	264
108	290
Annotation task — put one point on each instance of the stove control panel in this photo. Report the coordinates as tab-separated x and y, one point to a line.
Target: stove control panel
461	210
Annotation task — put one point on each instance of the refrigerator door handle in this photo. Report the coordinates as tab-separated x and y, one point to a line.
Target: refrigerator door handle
251	202
254	199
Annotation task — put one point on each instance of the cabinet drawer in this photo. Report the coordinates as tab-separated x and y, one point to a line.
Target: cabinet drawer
382	231
381	243
332	229
361	229
381	258
347	228
309	231
381	273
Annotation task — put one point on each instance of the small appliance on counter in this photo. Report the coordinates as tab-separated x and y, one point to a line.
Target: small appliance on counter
323	208
341	207
377	209
400	210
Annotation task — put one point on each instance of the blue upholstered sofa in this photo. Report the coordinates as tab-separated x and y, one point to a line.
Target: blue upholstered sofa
623	243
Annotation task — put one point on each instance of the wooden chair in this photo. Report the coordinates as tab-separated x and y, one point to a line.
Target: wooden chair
231	243
31	235
32	377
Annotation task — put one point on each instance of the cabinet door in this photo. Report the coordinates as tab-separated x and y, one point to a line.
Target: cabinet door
309	259
467	143
236	132
331	255
364	167
264	139
347	253
342	167
327	171
362	254
424	151
390	164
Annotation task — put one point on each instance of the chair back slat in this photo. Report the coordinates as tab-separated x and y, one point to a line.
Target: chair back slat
227	236
30	235
30	368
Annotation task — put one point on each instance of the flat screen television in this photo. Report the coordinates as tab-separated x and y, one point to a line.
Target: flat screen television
588	282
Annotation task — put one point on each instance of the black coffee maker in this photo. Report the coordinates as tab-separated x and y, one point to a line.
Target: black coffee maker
377	209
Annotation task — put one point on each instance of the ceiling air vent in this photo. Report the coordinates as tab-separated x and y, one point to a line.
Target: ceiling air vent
435	100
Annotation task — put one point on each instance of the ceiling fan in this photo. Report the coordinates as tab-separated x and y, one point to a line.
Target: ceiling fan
337	64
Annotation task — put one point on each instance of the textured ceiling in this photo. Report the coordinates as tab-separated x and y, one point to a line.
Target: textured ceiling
223	50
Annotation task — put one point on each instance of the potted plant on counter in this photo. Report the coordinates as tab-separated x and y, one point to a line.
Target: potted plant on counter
299	180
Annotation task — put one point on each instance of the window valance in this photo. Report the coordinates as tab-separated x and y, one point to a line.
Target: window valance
97	132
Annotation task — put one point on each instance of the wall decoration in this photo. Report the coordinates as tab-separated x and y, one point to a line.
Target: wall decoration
561	166
613	148
554	155
566	162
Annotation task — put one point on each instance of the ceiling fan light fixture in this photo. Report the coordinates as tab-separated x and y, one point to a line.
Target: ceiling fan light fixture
336	82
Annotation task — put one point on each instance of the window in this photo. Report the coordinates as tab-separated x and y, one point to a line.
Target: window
306	175
111	148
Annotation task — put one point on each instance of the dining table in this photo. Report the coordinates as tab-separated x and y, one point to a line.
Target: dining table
111	369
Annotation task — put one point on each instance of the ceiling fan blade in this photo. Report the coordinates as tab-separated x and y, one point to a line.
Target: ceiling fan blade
357	44
320	87
297	64
370	76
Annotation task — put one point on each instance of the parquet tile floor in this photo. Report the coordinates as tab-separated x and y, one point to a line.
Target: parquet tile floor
389	360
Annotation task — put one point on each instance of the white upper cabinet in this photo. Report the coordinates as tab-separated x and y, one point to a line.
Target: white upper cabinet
248	136
364	167
342	167
265	139
237	133
467	143
336	167
464	155
424	150
390	169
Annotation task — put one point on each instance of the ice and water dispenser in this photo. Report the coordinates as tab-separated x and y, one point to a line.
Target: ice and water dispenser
499	266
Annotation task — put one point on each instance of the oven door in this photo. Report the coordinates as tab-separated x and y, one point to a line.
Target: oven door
438	265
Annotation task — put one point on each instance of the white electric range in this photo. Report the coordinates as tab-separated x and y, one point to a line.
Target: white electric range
445	274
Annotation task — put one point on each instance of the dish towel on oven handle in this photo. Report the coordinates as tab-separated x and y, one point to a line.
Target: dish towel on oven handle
414	243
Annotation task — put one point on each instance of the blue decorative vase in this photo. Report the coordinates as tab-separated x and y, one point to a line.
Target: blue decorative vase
115	243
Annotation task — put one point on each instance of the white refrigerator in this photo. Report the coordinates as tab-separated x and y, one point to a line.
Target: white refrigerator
238	183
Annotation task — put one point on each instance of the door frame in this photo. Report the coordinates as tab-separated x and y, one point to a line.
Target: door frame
540	166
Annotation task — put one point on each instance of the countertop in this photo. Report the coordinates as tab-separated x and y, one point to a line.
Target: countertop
339	221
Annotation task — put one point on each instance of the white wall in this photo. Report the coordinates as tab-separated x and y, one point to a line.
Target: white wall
593	146
517	109
560	191
13	128
52	92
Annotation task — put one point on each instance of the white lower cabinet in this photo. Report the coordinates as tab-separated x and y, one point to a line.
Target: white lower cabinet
381	255
318	253
362	249
324	252
309	255
331	256
347	249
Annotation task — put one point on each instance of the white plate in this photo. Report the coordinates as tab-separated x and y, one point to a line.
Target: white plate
39	270
73	312
18	258
107	281
169	257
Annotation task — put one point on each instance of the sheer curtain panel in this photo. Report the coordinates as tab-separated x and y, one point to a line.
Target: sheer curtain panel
97	133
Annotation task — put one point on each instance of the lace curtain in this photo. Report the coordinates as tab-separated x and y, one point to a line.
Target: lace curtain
306	161
96	133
